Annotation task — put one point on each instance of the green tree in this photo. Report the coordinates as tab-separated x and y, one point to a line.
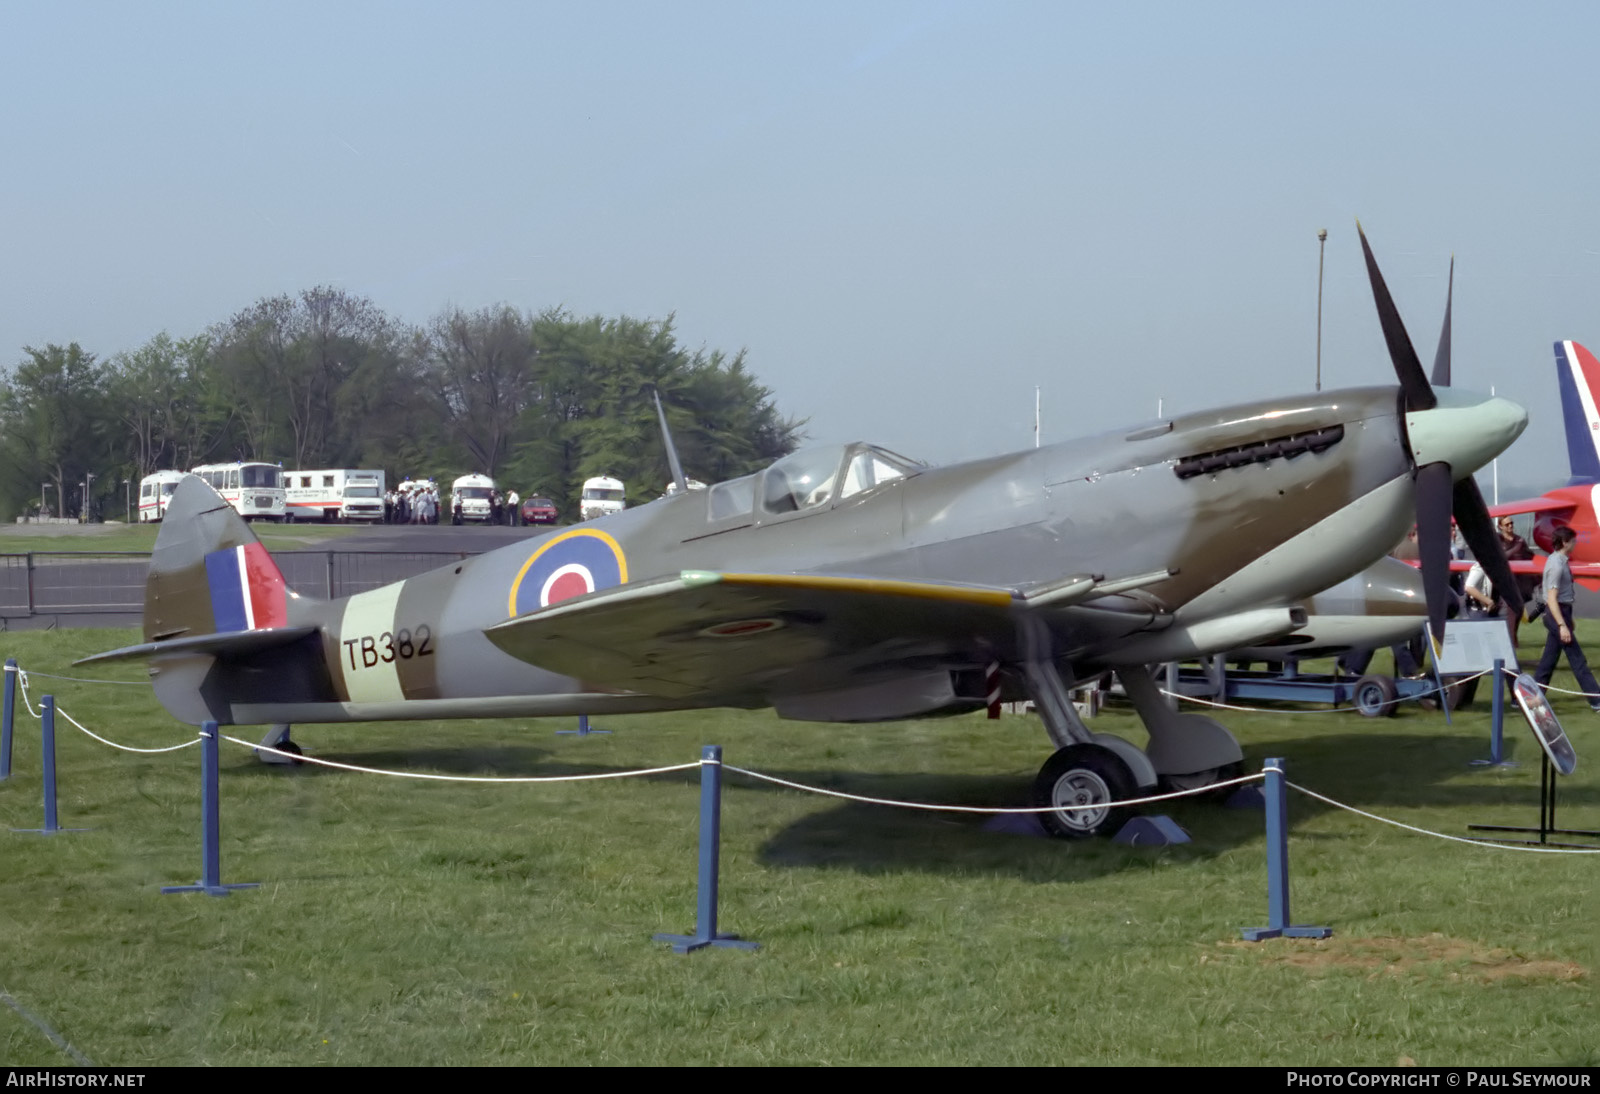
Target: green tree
54	425
478	368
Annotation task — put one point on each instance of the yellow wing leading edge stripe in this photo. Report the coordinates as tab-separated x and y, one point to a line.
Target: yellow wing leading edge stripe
963	594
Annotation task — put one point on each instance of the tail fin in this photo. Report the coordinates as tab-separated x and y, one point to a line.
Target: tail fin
217	617
209	574
1579	376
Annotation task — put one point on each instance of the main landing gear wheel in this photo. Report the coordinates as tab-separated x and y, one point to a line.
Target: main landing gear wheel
1375	696
1083	775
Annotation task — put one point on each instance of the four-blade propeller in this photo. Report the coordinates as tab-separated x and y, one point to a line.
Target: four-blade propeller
1438	494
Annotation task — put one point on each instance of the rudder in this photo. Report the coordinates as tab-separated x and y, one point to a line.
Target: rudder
209	574
1578	374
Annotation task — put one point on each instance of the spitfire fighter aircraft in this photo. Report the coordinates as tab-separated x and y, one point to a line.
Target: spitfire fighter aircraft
849	584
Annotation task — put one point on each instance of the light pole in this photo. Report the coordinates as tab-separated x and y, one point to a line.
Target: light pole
1322	245
88	484
127	498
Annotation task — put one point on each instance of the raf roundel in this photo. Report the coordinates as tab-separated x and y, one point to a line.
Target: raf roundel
568	565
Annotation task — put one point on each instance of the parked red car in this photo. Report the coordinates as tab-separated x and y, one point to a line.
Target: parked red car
538	511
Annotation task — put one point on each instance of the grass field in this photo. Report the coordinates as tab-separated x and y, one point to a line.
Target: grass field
437	923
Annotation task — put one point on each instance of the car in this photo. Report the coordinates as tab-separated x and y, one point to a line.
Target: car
538	511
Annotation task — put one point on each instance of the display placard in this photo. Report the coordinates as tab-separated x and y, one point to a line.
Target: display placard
1473	645
1544	723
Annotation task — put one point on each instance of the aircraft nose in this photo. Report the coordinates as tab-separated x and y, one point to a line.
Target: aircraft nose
1464	430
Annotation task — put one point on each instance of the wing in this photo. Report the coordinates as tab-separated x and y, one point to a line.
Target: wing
1533	566
726	634
1532	505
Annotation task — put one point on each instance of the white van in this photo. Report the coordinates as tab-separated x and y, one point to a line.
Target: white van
334	494
154	492
602	495
474	492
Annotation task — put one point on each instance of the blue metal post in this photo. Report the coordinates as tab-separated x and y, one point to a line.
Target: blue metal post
1499	710
8	712
47	745
1278	865
705	928
1497	726
210	811
583	729
210	822
1444	697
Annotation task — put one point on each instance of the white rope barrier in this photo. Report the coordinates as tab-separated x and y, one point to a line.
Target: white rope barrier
985	809
27	704
79	679
465	778
125	748
22	679
1442	835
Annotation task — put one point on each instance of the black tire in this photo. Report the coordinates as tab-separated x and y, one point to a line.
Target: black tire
1083	775
1375	696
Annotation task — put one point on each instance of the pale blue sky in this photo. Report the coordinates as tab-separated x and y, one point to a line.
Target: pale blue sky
910	214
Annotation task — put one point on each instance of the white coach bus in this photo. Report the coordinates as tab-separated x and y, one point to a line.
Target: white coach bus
154	492
254	489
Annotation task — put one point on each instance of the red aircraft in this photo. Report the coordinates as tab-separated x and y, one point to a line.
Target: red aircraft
1575	503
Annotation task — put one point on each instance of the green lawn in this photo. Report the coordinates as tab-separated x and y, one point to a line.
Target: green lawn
402	922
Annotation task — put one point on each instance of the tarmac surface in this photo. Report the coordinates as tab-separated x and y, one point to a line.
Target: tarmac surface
473	538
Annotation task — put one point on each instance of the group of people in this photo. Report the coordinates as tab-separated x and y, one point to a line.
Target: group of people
503	508
412	503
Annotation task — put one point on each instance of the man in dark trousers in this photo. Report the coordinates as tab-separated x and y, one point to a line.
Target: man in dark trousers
1559	622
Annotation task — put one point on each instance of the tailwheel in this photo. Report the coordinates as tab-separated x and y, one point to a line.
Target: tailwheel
1174	783
1089	777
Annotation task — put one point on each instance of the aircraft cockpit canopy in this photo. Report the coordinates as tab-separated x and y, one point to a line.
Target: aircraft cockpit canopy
816	477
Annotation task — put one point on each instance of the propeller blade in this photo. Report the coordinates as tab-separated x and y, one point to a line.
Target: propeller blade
1441	358
1433	542
1477	528
1413	381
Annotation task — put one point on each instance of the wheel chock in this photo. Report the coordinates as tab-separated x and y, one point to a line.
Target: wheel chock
1246	797
1157	831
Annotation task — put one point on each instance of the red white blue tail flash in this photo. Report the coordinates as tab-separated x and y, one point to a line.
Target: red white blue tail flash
247	591
1579	376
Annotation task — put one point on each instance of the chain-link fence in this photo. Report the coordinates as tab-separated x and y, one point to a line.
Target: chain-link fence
100	582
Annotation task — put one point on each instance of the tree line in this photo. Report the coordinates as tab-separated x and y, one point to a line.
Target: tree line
539	400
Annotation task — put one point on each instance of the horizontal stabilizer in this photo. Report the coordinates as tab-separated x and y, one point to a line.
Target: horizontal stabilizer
235	644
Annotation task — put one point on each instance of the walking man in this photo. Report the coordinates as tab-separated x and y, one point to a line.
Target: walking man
1559	622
